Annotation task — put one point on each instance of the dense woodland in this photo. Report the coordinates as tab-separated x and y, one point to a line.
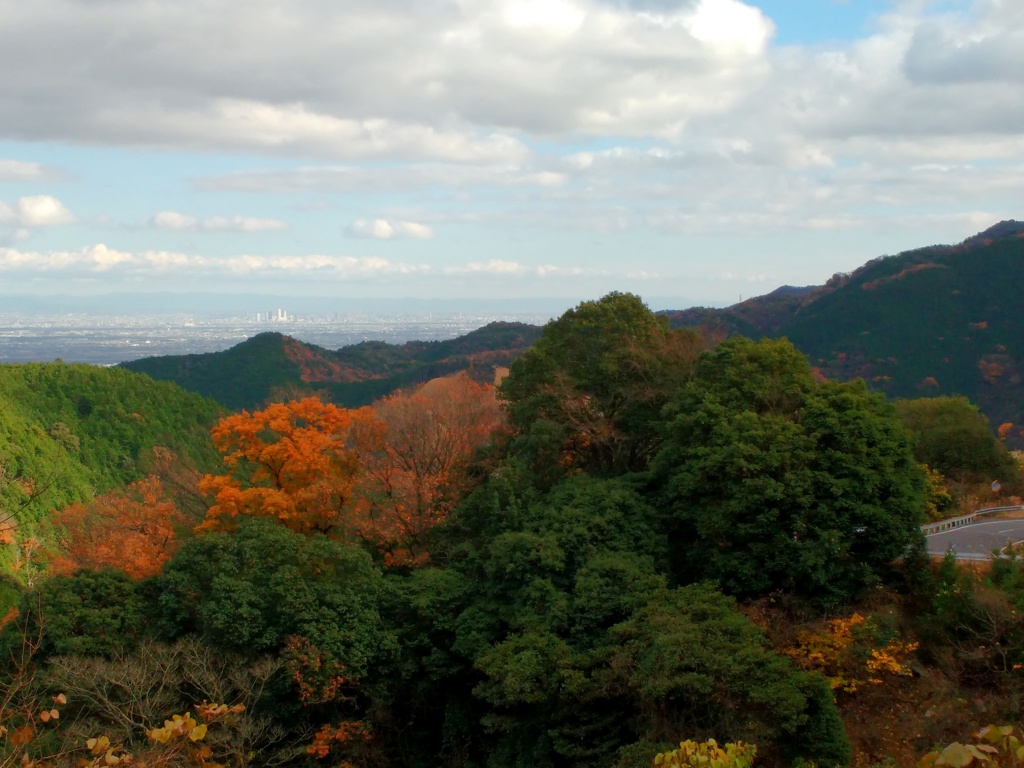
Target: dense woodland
641	536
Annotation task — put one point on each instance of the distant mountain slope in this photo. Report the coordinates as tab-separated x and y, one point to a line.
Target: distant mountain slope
928	322
933	321
756	317
69	431
271	365
237	377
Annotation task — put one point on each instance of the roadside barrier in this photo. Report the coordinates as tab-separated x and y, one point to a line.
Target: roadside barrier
956	522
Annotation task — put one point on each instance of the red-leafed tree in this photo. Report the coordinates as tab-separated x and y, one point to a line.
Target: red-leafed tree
295	462
133	530
412	481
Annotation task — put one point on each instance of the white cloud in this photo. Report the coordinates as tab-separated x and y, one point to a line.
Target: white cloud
360	79
180	222
473	81
404	178
96	258
20	170
730	25
342	266
243	224
99	258
35	211
42	211
293	128
554	17
172	220
545	270
494	266
501	267
386	229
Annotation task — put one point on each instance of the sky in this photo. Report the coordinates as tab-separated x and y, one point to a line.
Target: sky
691	151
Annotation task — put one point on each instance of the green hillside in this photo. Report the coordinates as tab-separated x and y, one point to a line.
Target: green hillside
70	431
272	366
756	317
238	377
936	321
941	320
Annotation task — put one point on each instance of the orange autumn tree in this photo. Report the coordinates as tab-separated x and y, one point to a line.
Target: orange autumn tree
412	481
295	462
132	530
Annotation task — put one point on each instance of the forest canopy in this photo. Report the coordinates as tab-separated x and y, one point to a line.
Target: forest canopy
567	571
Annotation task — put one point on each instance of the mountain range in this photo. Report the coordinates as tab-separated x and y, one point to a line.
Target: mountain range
273	366
939	320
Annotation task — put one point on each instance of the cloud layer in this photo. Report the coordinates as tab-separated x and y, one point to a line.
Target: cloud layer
435	122
180	222
100	259
467	81
21	170
385	229
433	79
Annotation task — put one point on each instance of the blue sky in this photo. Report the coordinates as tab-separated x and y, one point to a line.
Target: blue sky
817	22
698	149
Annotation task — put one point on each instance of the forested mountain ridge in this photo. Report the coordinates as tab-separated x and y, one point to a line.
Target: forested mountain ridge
935	321
274	366
756	317
941	320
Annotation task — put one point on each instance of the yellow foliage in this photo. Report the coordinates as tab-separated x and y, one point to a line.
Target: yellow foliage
176	737
1000	746
938	499
709	754
846	654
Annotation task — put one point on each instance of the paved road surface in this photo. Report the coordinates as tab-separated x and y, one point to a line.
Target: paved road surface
977	539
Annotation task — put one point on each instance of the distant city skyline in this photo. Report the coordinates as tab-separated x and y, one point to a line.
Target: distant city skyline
101	339
239	305
486	150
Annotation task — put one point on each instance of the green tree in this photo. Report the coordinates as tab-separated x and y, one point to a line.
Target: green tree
89	613
696	665
311	601
425	709
952	436
772	480
586	396
559	589
253	590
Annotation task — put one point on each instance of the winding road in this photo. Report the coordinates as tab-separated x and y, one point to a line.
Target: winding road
976	541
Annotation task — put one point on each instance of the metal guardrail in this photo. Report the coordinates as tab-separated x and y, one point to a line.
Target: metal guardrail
945	525
972	556
957	522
